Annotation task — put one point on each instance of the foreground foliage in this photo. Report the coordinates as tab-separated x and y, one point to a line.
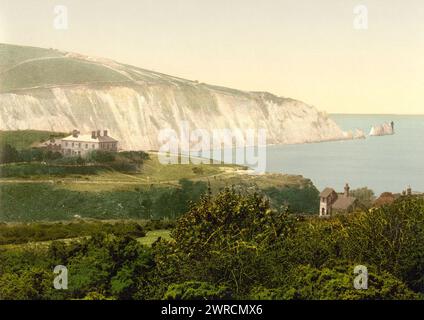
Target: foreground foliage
235	246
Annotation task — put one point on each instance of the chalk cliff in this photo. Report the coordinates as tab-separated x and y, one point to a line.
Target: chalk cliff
46	89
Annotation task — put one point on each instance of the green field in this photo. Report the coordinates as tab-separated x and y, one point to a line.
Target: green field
24	139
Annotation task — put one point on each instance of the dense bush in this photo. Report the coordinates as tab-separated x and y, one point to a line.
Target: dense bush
217	243
9	154
392	239
40	161
101	156
136	157
102	266
22	233
235	246
42	169
308	283
223	241
195	290
296	199
33	201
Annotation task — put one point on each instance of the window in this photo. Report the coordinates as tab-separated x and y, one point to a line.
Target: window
79	145
72	144
86	145
92	146
66	143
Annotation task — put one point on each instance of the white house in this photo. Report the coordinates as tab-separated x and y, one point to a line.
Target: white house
80	144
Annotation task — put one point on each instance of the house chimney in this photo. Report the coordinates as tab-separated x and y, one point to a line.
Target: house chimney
105	133
98	133
75	133
409	191
346	189
93	134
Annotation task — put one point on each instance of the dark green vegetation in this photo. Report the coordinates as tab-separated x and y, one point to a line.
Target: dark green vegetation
39	162
46	201
365	196
34	232
39	184
234	245
42	201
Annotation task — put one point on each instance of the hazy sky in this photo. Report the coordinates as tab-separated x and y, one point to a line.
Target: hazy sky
304	49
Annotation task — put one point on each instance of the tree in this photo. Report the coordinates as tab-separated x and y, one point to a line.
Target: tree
8	154
297	199
391	238
364	195
224	240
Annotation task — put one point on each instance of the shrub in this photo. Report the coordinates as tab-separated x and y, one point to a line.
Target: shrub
196	290
101	156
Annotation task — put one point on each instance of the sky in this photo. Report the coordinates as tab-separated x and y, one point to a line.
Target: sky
309	50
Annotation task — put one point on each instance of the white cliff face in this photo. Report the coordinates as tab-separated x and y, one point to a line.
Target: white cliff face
382	130
134	104
135	114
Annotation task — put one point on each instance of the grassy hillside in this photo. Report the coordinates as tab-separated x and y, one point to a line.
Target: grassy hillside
11	55
24	67
24	139
56	71
52	191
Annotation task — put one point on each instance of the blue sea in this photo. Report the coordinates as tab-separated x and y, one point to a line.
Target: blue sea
385	163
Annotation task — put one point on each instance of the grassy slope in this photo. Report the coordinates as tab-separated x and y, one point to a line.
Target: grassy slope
11	55
116	195
27	67
24	139
58	71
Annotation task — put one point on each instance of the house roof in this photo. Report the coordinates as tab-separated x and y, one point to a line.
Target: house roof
89	138
326	192
106	139
81	138
386	198
343	203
